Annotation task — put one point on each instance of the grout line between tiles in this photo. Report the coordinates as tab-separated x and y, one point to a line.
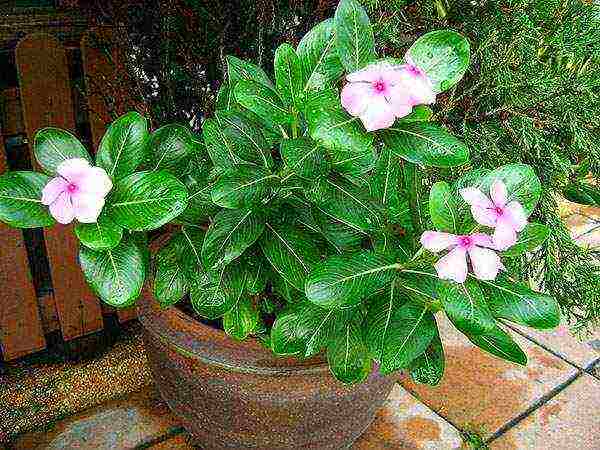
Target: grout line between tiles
545	347
171	432
537	404
590	368
441	416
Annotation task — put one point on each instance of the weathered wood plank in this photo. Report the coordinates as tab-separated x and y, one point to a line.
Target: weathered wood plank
46	101
20	324
101	80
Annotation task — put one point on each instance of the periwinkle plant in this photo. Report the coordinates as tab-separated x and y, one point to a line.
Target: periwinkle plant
289	209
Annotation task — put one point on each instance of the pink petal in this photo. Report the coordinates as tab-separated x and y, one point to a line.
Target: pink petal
505	235
62	209
453	266
498	193
400	101
95	181
53	189
378	115
422	91
73	169
370	73
484	216
486	263
483	240
87	207
436	241
356	97
517	215
475	197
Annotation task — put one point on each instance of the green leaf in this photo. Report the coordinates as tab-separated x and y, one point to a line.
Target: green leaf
213	299
385	182
245	138
102	235
303	329
116	275
242	186
427	144
443	207
422	285
443	55
179	266
429	367
225	98
288	76
466	306
347	203
239	70
516	302
347	354
532	236
583	193
52	146
21	200
291	251
321	66
170	281
354	38
230	233
305	158
418	201
264	102
258	275
350	148
499	343
124	145
219	146
420	113
242	320
342	237
397	332
346	280
170	148
147	200
198	182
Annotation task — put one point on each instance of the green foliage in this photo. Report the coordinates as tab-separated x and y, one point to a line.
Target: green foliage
123	146
117	275
52	146
312	223
20	200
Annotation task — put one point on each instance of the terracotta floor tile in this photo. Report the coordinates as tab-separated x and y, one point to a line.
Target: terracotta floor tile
404	423
119	424
568	421
582	350
480	392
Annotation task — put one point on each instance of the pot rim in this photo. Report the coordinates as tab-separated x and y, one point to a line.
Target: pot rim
212	346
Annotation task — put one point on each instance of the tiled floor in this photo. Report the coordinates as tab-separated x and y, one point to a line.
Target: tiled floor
553	403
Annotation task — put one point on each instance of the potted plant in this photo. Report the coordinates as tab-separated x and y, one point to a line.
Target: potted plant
316	229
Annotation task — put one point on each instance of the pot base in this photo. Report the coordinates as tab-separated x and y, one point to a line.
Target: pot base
238	395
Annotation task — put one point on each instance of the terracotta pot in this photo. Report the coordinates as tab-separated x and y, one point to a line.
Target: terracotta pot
238	395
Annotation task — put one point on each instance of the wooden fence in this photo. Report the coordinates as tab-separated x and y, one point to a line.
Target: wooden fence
42	289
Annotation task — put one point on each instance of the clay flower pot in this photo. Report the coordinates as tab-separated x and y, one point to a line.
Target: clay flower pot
238	395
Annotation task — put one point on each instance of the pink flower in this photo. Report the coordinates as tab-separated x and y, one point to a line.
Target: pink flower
78	192
382	92
507	219
484	261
